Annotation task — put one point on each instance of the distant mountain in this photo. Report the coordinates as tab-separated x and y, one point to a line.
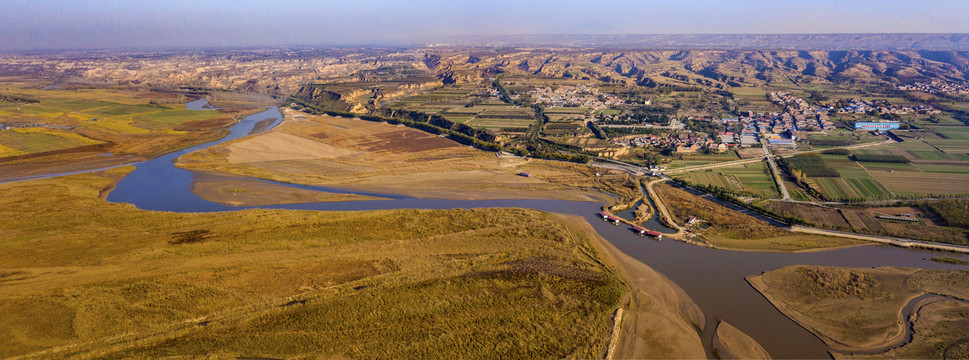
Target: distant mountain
934	42
706	68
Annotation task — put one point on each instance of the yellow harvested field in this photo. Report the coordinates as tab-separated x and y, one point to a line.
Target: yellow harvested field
911	182
281	146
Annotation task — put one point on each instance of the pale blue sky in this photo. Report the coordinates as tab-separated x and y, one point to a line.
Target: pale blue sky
41	24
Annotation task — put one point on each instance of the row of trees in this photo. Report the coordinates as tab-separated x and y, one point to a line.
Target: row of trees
810	165
884	158
830	142
435	124
799	178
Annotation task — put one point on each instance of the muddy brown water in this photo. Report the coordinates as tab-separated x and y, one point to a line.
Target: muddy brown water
714	279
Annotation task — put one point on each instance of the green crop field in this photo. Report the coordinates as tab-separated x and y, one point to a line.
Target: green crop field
951	145
952	132
23	141
685	163
567	110
962	168
499	123
931	172
854	181
873	166
457	118
752	178
565	117
852	188
74	118
749	92
727	156
171	118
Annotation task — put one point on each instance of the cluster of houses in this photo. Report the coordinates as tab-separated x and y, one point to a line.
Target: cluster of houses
682	143
798	115
937	87
779	129
788	100
861	106
580	96
745	139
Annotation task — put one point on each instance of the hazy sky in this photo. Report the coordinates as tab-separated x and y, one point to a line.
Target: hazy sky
45	24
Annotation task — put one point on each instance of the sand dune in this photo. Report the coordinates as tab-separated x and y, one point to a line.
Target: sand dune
276	146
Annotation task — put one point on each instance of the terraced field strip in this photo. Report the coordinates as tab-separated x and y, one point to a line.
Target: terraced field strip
499	123
567	110
952	132
951	145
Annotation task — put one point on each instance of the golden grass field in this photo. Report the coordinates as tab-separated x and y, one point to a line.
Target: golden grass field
377	157
853	308
83	278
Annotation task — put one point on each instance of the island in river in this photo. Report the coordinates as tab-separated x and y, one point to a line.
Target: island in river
881	312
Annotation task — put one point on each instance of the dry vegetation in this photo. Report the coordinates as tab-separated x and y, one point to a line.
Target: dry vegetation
864	220
731	343
734	229
940	333
81	277
371	156
852	309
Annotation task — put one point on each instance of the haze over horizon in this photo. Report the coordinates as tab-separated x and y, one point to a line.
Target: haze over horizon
94	24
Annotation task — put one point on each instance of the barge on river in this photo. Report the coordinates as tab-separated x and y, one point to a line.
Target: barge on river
646	232
608	217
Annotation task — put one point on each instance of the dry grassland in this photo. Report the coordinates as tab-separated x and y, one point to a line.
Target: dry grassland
858	309
83	278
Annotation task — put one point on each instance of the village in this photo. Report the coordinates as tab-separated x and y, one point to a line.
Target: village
577	96
682	143
937	87
776	129
861	106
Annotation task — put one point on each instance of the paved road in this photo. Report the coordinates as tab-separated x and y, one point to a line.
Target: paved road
908	243
785	196
661	208
712	166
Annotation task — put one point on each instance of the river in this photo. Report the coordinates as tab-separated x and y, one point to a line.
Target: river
714	279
